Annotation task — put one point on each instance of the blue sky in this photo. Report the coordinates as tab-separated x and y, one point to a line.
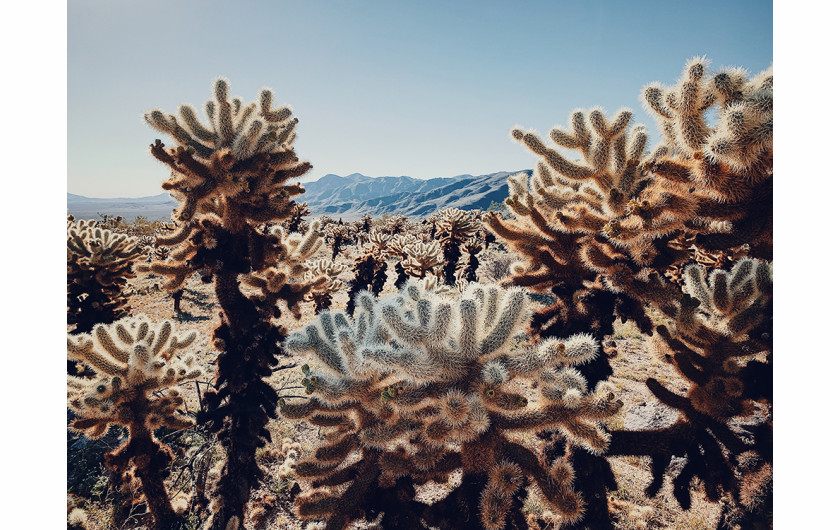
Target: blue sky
383	88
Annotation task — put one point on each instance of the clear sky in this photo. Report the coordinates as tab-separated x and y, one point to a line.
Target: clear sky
413	88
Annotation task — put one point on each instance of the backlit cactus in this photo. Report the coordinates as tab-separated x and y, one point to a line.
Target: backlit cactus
322	296
423	384
232	180
138	368
423	259
99	264
454	228
602	233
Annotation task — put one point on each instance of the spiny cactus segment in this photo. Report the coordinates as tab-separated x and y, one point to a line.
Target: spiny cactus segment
424	384
138	368
232	180
99	263
602	233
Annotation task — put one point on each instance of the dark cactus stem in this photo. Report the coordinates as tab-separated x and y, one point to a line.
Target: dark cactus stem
176	298
322	301
451	255
470	274
363	279
241	404
150	460
596	479
380	275
402	276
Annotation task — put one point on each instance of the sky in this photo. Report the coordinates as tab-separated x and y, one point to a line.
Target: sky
423	89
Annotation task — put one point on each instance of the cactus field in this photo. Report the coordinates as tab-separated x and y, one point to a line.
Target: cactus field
596	354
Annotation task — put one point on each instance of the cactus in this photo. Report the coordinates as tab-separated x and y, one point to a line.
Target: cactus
729	163
299	211
397	248
370	273
137	368
231	178
455	227
423	384
473	247
602	233
338	235
322	296
99	264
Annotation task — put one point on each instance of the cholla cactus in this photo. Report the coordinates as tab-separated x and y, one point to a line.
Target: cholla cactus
473	247
379	240
322	296
601	233
720	343
422	259
455	226
371	271
288	280
396	224
338	235
396	248
99	263
232	179
729	165
422	385
299	211
137	369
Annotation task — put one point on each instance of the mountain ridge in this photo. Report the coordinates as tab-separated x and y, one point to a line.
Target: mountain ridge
349	197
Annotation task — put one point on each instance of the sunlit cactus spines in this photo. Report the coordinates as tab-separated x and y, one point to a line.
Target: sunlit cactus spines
99	264
288	281
454	228
602	234
423	259
137	366
396	248
423	384
322	295
233	180
728	162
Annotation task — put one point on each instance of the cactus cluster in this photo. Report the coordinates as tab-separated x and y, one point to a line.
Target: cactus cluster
602	234
137	368
99	264
417	385
324	268
454	228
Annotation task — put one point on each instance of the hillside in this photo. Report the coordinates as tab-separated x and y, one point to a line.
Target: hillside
353	196
153	207
349	197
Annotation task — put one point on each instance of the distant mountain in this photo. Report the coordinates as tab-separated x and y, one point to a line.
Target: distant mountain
154	207
353	196
348	197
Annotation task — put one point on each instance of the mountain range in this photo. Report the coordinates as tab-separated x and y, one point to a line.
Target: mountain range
349	197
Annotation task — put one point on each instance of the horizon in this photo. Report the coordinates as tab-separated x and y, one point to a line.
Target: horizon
465	175
381	88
